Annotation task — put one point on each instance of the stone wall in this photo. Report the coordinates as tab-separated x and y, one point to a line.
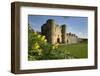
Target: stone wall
71	38
57	34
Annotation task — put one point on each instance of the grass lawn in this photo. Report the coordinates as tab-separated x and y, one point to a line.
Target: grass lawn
79	50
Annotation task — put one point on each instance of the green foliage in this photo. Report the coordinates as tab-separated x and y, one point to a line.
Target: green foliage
35	44
39	49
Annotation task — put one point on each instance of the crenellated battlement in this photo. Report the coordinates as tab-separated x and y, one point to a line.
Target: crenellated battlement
72	35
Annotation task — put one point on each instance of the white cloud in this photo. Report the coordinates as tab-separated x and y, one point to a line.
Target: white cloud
82	35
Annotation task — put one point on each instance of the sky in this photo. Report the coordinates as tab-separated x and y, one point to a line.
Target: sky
75	25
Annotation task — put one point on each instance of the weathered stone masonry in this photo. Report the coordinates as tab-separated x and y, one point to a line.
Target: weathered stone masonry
57	34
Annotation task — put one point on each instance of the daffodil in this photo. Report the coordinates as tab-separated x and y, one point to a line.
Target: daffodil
45	40
39	36
42	38
36	46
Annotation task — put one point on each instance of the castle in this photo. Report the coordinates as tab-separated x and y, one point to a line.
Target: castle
57	34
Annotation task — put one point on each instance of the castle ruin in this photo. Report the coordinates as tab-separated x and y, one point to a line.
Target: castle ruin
57	34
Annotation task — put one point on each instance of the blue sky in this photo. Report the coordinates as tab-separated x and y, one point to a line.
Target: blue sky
76	25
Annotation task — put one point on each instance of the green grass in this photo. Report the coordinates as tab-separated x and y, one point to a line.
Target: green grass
64	51
79	50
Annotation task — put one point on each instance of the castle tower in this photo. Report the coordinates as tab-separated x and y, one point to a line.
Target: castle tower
51	23
63	31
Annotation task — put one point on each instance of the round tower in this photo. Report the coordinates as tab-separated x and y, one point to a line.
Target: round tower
63	33
51	24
